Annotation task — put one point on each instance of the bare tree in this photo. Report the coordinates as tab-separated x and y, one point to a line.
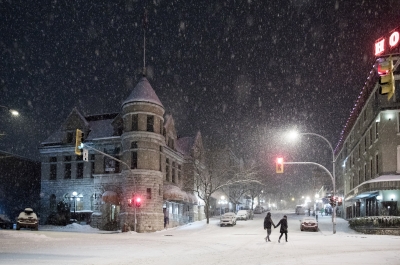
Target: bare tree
254	190
222	169
235	192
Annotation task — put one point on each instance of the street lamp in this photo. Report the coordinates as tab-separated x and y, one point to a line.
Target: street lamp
12	111
295	134
76	198
221	202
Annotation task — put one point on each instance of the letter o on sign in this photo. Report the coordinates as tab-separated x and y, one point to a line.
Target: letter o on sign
394	39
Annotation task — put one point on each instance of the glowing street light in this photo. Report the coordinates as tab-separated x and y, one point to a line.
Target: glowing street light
294	135
12	111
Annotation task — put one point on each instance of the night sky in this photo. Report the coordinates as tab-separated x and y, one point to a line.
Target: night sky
241	72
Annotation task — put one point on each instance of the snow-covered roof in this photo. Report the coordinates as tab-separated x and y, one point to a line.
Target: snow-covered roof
184	145
100	129
143	92
55	137
174	193
385	178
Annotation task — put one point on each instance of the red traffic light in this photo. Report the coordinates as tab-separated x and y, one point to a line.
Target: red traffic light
279	165
138	201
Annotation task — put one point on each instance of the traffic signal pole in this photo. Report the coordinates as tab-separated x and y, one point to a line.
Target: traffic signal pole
333	181
82	145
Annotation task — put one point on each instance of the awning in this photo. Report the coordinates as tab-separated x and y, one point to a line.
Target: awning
371	187
110	197
174	193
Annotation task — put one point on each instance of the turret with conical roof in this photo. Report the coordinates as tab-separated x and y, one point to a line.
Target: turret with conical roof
142	142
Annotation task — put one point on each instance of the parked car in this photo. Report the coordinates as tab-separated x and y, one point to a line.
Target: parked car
5	222
228	219
309	223
242	215
258	210
300	210
27	219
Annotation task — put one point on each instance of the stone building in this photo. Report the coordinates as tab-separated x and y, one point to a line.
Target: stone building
368	153
151	163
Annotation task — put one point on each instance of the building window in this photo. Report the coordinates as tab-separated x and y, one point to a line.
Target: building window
173	173
377	164
53	159
53	171
67	171
167	170
133	145
365	144
135	121
134	160
371	138
371	170
148	192
150	123
376	130
365	172
79	171
179	174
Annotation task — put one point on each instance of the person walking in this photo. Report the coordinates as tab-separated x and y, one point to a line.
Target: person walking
267	226
284	228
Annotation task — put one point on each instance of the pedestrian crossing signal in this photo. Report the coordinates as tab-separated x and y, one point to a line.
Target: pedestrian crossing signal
279	165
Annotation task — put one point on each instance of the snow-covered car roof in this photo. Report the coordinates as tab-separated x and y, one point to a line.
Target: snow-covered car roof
230	213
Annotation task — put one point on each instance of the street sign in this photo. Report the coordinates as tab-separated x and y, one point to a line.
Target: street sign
85	155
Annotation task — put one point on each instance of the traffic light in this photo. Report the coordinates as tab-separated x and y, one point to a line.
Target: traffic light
138	202
279	165
339	201
386	78
332	201
130	202
78	142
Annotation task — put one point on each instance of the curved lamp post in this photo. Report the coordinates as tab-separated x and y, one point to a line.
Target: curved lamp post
294	134
12	111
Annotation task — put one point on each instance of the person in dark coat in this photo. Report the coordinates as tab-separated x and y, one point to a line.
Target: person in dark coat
284	228
267	225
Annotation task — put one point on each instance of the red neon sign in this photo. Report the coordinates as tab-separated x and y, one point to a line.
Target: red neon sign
383	45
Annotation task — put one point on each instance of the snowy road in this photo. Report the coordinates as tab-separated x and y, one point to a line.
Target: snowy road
199	243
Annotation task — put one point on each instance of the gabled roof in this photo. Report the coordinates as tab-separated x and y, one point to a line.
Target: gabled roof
143	92
99	126
184	145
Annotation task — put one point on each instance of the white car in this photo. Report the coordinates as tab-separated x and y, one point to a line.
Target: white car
228	219
242	215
